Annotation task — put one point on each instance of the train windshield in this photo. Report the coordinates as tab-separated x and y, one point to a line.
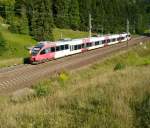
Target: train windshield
36	49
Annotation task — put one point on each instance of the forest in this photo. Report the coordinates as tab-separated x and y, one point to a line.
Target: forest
38	17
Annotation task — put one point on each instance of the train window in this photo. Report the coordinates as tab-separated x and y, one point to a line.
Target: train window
66	46
46	50
113	40
97	43
79	46
122	38
43	52
57	48
108	41
118	39
103	41
62	47
52	49
76	47
88	45
83	45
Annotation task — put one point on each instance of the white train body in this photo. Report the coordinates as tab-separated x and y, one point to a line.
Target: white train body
53	50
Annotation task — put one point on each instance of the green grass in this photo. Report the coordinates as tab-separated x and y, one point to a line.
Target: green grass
67	33
94	97
16	47
147	31
16	44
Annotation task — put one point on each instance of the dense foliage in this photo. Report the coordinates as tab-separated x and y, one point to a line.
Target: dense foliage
39	17
2	44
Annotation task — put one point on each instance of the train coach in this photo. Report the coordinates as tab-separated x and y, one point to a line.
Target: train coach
46	50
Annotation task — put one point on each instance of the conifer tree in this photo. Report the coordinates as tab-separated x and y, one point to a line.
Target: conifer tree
84	9
2	44
24	27
74	14
61	9
9	10
42	22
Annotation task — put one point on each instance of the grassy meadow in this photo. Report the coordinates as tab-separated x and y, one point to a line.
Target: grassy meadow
17	44
114	93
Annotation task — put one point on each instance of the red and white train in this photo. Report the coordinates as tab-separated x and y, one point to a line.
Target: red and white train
46	50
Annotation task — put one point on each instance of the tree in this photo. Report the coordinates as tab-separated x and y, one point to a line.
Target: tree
107	15
24	27
9	9
74	14
61	9
84	9
19	21
42	21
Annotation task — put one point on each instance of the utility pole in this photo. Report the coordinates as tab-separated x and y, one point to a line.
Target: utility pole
61	35
102	30
90	25
128	26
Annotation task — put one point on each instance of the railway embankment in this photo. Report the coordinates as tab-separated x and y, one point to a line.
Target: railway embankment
111	93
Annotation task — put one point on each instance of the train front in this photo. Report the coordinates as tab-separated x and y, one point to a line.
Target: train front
34	52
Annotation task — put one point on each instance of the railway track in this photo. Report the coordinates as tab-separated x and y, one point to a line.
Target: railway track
14	78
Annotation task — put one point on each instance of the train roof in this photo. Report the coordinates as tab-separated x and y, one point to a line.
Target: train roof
80	40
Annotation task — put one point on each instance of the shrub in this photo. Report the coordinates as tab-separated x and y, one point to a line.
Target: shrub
42	90
2	44
119	66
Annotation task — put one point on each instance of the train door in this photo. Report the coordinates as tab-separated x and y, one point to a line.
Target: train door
107	40
66	50
84	44
119	39
43	55
47	54
52	53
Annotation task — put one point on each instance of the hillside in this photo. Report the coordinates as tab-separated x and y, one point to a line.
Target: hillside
114	93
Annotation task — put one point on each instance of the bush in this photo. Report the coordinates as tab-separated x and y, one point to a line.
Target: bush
119	66
42	90
2	44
